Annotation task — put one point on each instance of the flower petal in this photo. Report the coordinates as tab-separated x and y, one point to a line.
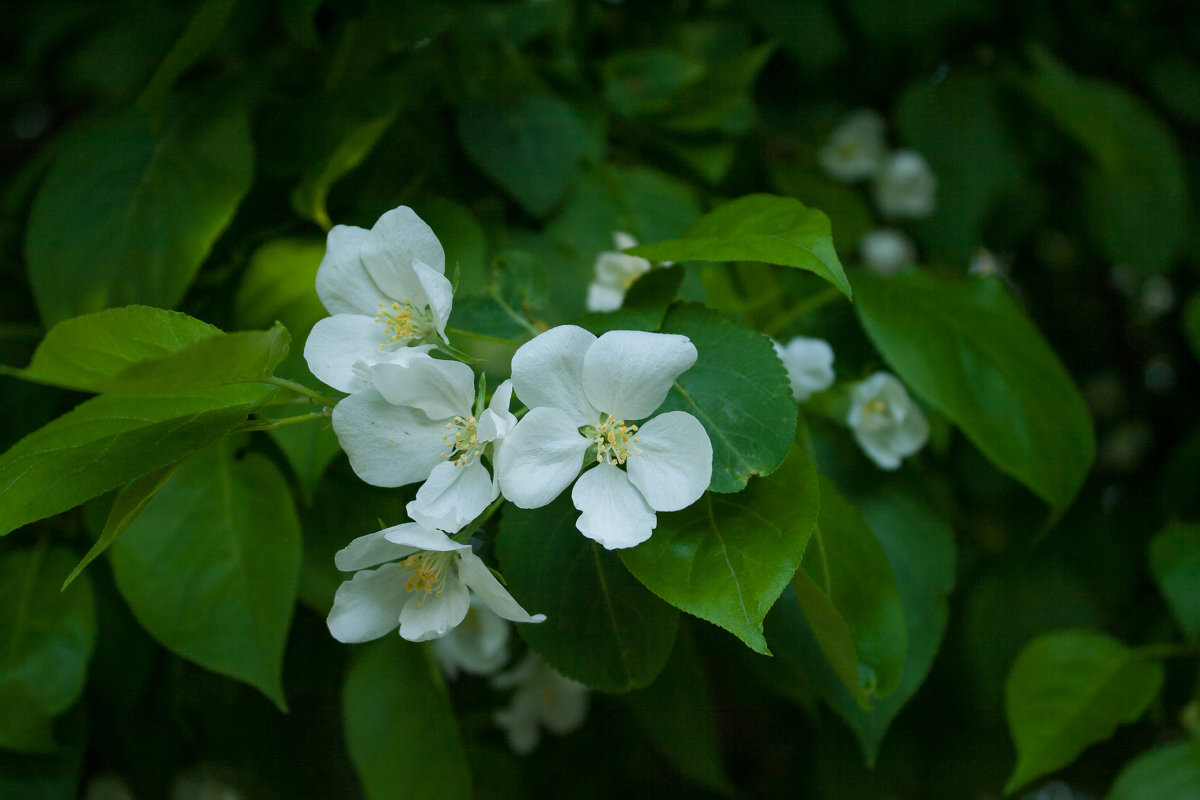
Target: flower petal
628	373
388	445
453	496
343	283
674	466
417	536
426	617
604	298
540	457
439	295
368	605
337	343
479	645
397	239
475	574
369	551
619	270
440	388
548	371
497	421
614	512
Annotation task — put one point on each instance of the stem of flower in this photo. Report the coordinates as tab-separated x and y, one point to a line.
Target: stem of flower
807	306
483	337
276	424
297	388
517	318
464	536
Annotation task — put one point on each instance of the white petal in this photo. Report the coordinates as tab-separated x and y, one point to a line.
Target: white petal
367	551
548	371
809	364
604	298
412	534
399	238
566	706
388	445
475	574
343	283
427	616
614	512
628	373
337	343
675	465
439	294
520	723
440	388
479	645
540	458
453	496
368	605
623	240
497	421
619	270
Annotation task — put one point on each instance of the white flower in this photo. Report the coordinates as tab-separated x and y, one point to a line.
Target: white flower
885	420
615	273
479	645
886	250
386	289
424	591
543	698
584	394
906	187
414	422
856	148
809	364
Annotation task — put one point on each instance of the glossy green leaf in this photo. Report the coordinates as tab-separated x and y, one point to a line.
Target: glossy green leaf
228	358
603	628
727	557
738	390
127	216
108	441
1071	689
1175	562
758	227
1134	192
1168	773
46	641
833	636
222	541
534	147
978	359
400	727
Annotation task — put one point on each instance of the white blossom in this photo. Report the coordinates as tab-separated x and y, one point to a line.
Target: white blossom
886	250
422	586
809	364
885	420
906	186
856	148
386	289
544	698
615	273
584	395
478	646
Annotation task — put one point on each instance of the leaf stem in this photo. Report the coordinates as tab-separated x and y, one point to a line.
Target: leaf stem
267	424
804	307
298	388
464	535
517	318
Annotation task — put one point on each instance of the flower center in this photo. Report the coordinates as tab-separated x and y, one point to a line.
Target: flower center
427	572
873	408
404	323
462	445
614	440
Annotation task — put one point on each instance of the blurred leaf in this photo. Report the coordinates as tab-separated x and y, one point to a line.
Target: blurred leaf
1171	772
847	564
727	557
809	31
603	628
222	540
1175	562
833	636
299	20
722	97
758	227
308	198
108	441
1071	689
41	777
906	23
400	727
655	290
1175	81
643	82
46	641
738	390
520	280
462	237
127	216
534	147
1135	195
201	33
977	359
1191	323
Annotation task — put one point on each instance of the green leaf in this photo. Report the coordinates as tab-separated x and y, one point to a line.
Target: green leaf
977	359
849	214
738	390
720	99
1134	191
642	82
727	557
1068	690
1191	323
603	628
202	33
108	441
833	636
127	216
1175	81
1168	773
400	728
534	147
46	641
228	358
758	227
848	565
1175	562
222	541
308	198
